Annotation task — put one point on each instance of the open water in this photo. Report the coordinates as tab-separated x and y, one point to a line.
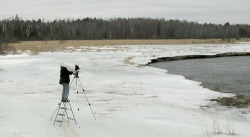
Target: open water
228	74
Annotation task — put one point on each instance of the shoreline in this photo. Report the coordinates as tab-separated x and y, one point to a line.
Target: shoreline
238	100
175	58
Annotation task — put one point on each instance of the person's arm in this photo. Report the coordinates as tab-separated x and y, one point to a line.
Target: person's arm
71	72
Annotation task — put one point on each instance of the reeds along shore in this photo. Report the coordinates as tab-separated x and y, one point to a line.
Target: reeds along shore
43	46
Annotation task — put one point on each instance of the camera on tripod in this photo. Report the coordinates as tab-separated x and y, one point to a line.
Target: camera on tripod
77	68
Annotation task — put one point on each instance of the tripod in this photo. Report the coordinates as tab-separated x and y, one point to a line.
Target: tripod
77	80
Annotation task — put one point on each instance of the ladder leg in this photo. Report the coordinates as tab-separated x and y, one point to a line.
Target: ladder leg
57	111
62	116
72	113
65	110
54	112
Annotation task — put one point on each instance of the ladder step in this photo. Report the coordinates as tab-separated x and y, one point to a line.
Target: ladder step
65	108
62	111
60	121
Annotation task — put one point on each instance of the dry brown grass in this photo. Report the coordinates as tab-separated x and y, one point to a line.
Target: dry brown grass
128	60
44	46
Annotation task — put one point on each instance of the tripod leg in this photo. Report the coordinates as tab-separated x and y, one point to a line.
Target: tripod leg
72	81
86	98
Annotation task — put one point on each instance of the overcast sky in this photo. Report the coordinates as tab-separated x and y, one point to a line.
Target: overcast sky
202	11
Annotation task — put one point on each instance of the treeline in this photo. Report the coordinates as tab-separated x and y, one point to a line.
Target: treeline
16	29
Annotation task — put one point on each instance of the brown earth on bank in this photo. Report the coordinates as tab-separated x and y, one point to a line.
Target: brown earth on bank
228	54
238	101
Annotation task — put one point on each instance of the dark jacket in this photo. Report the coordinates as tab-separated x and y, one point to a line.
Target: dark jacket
64	75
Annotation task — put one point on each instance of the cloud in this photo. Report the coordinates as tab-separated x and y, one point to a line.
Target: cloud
215	11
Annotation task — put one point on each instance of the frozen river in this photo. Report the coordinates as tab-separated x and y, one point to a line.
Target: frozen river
229	74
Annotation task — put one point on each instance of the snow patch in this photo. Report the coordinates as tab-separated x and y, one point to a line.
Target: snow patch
128	99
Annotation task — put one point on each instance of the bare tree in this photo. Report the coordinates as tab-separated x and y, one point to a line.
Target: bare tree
16	29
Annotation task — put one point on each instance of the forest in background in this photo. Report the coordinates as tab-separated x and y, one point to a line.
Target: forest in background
16	29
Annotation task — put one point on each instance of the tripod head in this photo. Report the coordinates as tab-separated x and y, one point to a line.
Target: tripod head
76	74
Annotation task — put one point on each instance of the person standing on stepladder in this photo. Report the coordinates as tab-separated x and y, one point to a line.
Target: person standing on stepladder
64	80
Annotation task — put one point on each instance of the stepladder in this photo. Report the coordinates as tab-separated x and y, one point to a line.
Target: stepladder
63	113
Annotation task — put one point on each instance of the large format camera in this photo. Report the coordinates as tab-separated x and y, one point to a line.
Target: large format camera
77	68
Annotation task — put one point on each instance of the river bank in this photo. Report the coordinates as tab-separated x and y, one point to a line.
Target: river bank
175	58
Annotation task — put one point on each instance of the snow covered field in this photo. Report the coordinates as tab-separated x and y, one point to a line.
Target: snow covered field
128	99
